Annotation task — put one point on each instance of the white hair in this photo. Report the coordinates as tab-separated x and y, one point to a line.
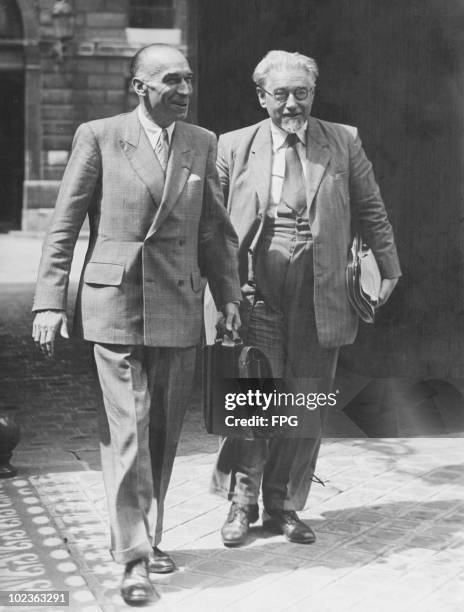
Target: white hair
284	59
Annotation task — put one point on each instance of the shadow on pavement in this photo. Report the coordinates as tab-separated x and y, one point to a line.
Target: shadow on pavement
397	534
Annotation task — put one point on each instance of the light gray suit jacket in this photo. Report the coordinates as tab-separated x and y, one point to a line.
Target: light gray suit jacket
341	192
150	247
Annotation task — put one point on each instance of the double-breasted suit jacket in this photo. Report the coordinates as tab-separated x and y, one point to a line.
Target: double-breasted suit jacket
341	193
150	246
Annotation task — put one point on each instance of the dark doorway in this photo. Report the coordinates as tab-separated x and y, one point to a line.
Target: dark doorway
11	148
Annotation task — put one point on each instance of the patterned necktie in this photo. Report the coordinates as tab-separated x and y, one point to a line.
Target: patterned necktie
162	149
293	188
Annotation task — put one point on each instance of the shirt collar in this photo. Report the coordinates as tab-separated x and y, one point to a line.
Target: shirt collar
152	129
279	135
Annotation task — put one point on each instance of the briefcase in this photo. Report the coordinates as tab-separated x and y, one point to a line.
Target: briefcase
230	367
363	280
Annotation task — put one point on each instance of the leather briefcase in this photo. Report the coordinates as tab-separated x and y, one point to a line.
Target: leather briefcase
363	280
225	364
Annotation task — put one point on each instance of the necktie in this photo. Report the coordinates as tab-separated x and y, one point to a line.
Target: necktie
162	149
293	188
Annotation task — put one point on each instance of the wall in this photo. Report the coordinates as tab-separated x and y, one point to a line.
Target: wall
92	81
395	70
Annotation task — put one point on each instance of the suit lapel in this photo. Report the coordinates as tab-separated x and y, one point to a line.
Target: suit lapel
137	149
318	156
260	163
177	172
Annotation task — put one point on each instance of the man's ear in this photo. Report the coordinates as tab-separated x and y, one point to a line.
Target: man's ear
139	87
261	97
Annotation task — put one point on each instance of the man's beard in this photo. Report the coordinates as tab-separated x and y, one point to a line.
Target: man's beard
291	125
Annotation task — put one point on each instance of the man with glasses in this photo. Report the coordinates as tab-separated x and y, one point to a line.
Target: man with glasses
149	185
295	186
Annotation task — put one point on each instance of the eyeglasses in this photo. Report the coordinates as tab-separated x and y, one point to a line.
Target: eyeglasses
281	95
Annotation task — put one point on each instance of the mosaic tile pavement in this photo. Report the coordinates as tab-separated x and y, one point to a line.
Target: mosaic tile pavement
33	553
389	521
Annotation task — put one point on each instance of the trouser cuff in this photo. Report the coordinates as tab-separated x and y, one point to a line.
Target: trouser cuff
131	554
241	498
280	504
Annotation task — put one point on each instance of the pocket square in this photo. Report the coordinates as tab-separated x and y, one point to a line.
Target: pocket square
192	178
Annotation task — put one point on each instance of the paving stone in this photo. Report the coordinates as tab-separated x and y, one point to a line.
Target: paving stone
33	556
223	591
229	594
410	554
192	579
423	583
346	557
269	597
370	544
432	605
345	527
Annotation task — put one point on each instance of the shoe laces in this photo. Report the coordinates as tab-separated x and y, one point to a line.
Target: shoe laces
238	512
291	516
317	480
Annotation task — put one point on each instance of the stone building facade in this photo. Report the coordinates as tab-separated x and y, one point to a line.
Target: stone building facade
63	62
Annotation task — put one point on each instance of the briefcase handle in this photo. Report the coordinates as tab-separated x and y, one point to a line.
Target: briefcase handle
229	338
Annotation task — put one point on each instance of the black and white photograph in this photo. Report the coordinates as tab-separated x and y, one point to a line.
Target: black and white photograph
232	305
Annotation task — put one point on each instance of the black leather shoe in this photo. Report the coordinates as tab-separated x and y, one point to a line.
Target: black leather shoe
235	529
160	562
288	523
136	588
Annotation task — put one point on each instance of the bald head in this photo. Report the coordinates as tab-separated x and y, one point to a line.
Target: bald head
162	78
150	60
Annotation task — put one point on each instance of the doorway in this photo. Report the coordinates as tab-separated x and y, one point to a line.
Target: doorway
396	71
11	148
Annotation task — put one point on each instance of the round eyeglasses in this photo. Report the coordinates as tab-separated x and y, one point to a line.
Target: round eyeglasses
281	95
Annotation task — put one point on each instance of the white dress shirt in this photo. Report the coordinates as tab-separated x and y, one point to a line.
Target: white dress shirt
153	130
278	162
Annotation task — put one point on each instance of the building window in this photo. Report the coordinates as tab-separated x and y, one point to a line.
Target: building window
151	14
10	20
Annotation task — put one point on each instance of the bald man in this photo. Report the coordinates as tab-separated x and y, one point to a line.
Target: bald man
158	231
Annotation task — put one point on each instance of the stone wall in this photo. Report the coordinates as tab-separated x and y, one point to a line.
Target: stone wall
89	81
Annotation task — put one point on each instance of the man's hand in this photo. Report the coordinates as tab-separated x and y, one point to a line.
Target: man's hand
46	324
232	317
386	289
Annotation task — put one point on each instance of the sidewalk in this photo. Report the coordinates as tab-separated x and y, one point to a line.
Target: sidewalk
389	524
389	521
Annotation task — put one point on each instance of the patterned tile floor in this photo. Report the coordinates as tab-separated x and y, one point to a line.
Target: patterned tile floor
390	526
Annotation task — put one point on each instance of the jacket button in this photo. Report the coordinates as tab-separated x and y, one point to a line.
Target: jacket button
180	283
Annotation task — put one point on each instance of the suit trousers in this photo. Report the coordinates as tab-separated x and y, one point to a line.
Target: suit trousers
145	395
282	324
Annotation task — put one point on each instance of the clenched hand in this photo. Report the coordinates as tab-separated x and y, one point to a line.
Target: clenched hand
232	317
386	289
